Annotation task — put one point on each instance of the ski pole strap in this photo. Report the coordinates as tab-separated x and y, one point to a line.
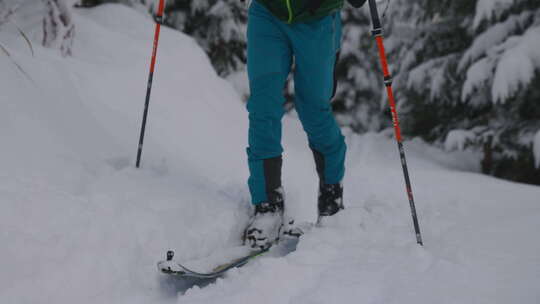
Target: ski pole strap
377	27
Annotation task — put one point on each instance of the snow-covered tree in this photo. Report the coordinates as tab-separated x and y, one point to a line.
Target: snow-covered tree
359	102
502	77
58	27
218	26
474	66
428	39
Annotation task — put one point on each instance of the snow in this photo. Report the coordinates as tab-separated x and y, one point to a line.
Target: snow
501	62
492	37
458	139
517	64
78	224
73	211
485	9
477	75
429	74
239	80
536	149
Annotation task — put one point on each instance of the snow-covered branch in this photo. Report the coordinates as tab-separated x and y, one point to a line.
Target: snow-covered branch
58	27
6	11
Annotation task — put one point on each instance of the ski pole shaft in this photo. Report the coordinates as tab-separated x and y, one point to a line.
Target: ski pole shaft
378	34
159	21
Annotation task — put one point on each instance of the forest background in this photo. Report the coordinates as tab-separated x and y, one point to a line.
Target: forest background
466	73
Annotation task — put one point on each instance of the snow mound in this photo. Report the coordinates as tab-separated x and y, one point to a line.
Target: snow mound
80	225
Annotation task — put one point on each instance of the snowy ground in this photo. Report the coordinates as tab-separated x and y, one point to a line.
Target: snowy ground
78	224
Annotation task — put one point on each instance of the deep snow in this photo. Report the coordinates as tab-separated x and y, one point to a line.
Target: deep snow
78	224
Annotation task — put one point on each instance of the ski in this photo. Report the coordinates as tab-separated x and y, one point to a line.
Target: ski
284	246
171	267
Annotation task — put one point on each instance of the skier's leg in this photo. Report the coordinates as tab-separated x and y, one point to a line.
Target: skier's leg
315	45
269	61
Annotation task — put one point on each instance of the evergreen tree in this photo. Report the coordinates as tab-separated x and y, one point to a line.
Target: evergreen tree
469	76
430	38
219	26
502	68
359	102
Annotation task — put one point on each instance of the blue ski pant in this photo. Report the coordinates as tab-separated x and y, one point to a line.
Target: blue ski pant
272	47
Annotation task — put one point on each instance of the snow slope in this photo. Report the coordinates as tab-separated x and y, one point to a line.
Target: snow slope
78	224
77	221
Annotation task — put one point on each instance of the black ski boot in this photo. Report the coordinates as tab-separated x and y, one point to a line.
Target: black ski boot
330	199
330	195
264	228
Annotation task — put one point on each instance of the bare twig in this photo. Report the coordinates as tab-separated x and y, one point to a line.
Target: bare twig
25	38
15	62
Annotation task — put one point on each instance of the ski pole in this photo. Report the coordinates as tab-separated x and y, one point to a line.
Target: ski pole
377	32
159	21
